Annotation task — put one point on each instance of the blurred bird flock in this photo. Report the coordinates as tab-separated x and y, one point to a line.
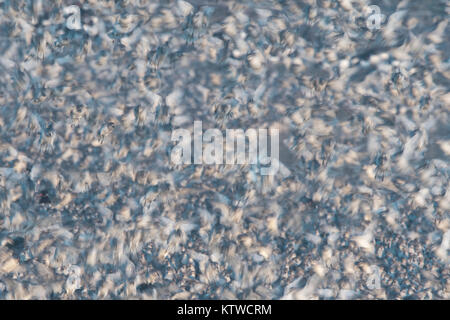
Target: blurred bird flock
92	208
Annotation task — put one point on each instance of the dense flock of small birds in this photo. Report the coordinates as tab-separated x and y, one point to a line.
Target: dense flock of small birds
91	206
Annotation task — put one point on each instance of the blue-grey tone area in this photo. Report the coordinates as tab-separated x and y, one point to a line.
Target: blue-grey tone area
91	206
